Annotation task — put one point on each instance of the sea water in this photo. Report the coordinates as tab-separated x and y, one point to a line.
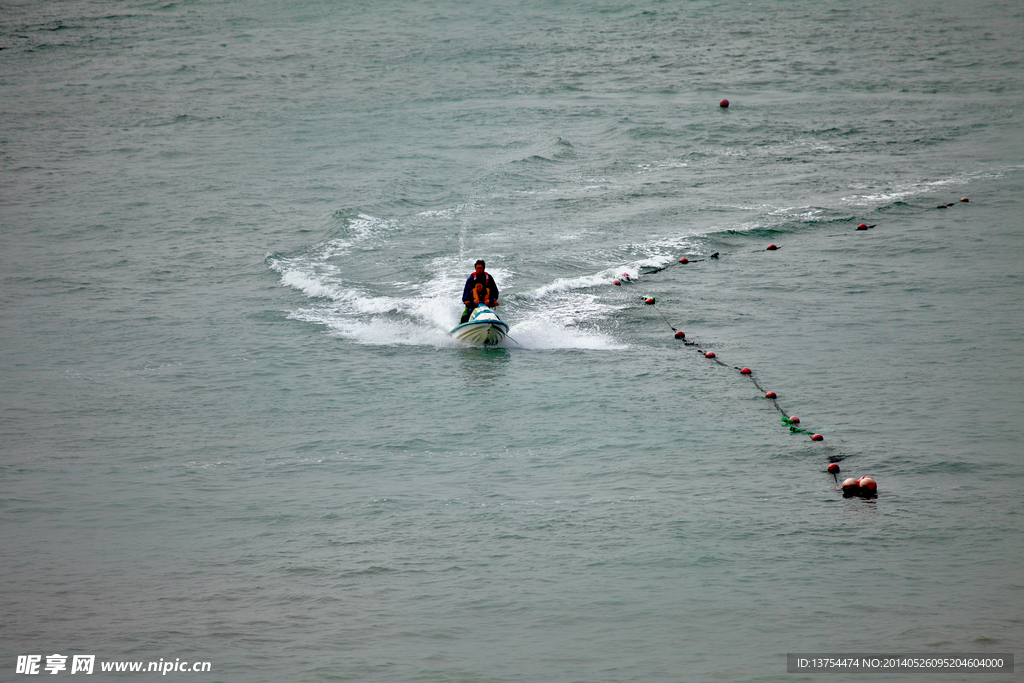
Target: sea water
234	429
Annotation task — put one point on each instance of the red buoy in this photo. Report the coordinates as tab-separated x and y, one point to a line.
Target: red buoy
745	371
817	437
649	301
771	247
794	419
616	283
684	260
625	276
868	485
770	394
709	354
851	485
964	199
724	104
862	226
680	335
833	468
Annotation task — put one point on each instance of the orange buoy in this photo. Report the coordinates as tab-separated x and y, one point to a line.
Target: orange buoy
684	260
709	354
680	335
770	394
868	484
771	247
745	371
851	485
817	437
724	104
964	199
649	301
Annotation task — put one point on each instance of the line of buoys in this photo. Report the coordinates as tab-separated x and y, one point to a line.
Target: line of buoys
790	421
679	334
650	270
864	487
861	227
625	277
865	226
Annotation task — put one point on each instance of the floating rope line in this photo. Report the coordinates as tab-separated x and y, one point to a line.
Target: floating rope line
864	487
650	301
649	270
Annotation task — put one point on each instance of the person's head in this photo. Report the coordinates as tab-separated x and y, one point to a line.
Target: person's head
479	286
480	266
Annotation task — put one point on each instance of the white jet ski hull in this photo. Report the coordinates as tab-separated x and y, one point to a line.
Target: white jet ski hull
483	328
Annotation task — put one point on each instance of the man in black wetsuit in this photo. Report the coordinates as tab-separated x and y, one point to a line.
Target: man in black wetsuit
490	289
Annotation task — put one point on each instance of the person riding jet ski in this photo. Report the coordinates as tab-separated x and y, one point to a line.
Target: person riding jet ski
480	289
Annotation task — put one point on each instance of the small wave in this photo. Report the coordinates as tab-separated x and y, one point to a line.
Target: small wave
563	285
663	251
444	213
376	331
535	333
310	285
902	192
545	334
369	571
950	467
360	227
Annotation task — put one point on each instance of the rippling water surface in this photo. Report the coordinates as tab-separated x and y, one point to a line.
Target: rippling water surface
233	427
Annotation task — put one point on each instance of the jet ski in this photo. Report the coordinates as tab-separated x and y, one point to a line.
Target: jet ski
483	328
